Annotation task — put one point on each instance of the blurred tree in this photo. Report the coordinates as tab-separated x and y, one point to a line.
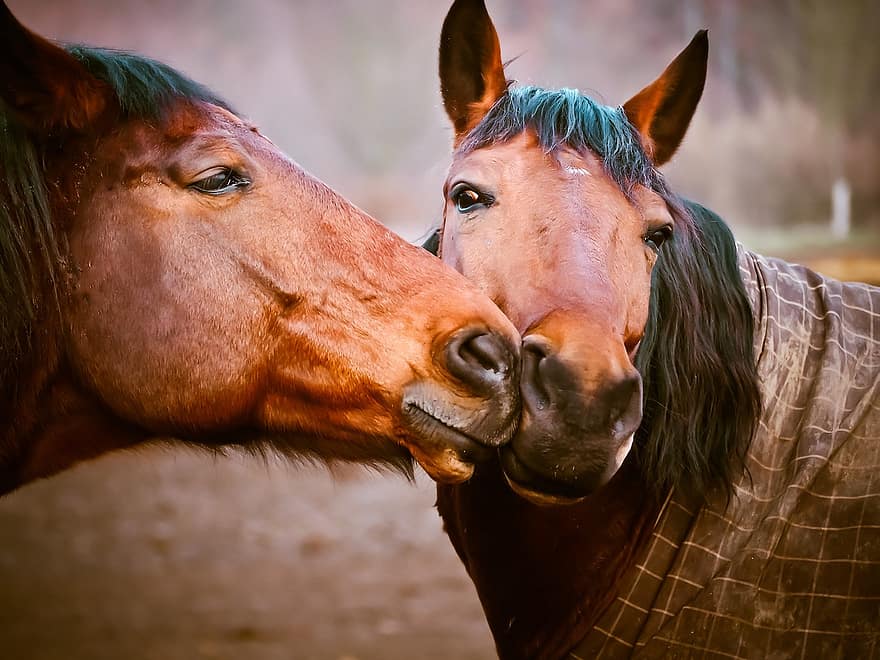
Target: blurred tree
824	54
830	58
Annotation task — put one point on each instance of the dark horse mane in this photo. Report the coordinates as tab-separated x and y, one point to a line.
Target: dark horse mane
702	399
31	245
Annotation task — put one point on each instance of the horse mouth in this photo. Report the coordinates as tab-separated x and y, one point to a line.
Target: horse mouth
538	497
542	490
449	433
534	487
442	431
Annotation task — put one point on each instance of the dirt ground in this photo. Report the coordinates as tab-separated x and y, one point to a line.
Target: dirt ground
170	554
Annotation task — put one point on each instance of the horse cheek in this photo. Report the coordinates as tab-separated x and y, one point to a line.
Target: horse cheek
638	308
151	332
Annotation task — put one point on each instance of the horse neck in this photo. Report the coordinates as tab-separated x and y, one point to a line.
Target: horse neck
53	422
544	575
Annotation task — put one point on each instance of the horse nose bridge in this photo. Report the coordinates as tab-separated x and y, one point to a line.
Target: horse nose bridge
563	310
588	337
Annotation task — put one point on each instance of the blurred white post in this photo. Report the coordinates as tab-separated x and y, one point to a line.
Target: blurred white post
840	208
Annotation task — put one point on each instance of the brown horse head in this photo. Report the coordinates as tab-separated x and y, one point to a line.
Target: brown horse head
554	210
168	272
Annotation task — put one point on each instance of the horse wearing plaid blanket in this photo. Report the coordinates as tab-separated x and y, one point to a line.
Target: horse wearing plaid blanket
746	521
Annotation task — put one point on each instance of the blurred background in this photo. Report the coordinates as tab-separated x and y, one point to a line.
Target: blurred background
169	554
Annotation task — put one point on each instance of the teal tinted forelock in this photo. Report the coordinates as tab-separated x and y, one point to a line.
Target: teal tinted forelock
565	117
143	86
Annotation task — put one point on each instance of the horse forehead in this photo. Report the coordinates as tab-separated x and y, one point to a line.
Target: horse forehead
574	170
489	163
577	164
524	156
223	123
187	117
144	143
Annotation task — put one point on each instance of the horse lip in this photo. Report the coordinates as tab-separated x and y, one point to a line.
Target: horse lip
443	434
541	498
544	491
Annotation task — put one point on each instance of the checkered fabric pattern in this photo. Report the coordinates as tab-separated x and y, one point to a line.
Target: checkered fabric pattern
791	567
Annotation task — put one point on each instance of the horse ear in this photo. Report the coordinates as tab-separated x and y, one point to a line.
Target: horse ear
663	110
471	72
46	88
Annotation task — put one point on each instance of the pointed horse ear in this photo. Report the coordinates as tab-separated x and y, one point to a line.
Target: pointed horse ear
46	88
663	110
471	72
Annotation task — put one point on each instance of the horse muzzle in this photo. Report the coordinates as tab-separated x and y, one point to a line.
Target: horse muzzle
463	421
576	430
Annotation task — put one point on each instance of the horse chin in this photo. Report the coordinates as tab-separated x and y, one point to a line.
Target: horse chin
539	498
538	489
445	467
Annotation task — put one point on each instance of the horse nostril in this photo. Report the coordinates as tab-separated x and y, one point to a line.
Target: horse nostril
532	385
624	400
480	359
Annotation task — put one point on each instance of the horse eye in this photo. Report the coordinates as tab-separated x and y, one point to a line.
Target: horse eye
468	199
222	181
657	237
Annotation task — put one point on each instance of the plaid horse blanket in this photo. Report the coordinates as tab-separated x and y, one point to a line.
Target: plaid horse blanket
790	568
